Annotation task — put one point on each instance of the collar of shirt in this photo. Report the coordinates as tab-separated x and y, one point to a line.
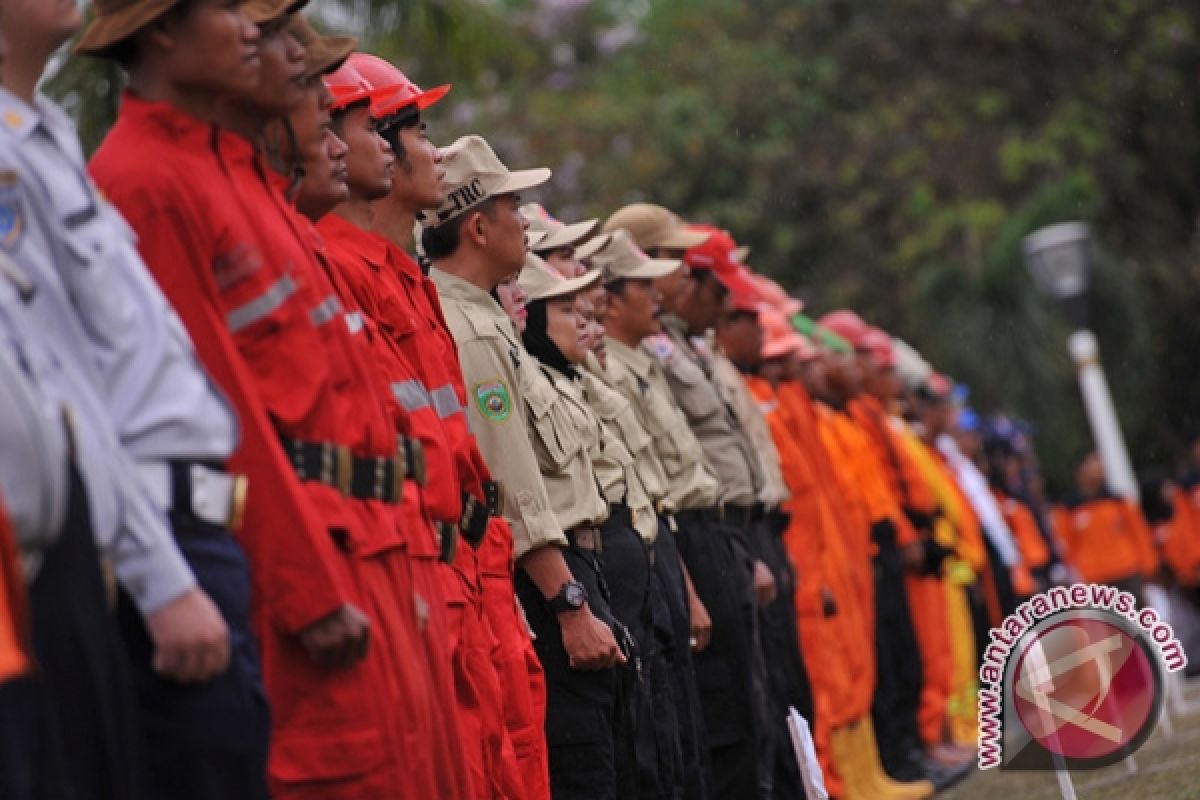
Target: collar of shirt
21	120
674	325
405	264
635	359
341	234
186	131
465	292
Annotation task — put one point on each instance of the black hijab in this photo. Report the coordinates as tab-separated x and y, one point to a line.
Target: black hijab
540	345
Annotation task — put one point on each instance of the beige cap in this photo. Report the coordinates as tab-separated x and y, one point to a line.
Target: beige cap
624	259
473	174
539	282
587	250
558	234
534	238
654	226
741	253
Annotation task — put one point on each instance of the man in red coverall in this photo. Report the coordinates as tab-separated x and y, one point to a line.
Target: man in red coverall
318	531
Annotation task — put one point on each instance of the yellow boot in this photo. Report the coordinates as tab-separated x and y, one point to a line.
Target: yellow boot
863	739
856	783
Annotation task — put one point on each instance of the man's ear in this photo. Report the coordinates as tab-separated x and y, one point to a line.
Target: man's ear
474	229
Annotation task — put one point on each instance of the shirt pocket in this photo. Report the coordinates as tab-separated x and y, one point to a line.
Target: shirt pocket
696	394
555	441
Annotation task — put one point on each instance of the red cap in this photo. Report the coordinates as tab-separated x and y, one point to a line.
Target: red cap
846	324
879	345
771	292
779	337
397	91
714	254
348	86
743	294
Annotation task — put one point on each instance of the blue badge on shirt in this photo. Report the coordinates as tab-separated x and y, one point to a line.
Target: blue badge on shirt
12	214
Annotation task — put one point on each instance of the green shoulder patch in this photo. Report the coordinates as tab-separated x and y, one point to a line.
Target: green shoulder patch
494	399
12	214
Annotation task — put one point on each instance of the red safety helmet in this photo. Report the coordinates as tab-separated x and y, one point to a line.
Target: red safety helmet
397	91
714	254
348	86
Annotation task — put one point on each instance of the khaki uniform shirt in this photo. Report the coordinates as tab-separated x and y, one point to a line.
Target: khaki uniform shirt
638	375
498	372
629	445
774	491
712	419
567	438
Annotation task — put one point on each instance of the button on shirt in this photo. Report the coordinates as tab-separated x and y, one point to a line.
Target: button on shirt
711	419
162	403
638	375
126	526
496	372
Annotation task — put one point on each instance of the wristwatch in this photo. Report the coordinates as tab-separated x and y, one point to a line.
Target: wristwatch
570	597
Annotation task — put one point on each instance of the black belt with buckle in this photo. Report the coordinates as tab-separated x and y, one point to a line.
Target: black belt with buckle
364	478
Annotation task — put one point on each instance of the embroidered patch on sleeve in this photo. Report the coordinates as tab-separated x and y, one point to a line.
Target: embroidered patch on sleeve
493	399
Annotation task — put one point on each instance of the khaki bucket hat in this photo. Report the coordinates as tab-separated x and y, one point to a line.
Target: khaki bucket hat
322	54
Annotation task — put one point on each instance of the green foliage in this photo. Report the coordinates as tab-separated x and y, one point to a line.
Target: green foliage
884	154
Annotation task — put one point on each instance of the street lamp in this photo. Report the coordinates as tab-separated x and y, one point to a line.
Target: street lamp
1059	257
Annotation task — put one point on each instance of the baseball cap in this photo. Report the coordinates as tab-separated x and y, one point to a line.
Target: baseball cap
114	21
473	174
398	91
743	296
558	234
539	282
741	253
779	338
715	254
879	345
322	54
653	226
771	292
587	249
621	258
846	324
260	11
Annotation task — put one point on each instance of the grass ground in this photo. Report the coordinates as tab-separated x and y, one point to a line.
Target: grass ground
1168	769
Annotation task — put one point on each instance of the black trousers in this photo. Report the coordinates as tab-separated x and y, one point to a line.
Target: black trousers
585	723
90	698
728	671
677	650
637	602
206	741
787	677
897	665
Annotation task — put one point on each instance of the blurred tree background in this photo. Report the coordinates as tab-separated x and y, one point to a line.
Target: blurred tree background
883	154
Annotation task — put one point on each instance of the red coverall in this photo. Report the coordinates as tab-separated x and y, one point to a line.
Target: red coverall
422	385
251	299
14	655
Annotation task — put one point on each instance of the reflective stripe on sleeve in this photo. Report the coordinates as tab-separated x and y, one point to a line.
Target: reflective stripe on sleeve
411	395
254	310
323	313
445	401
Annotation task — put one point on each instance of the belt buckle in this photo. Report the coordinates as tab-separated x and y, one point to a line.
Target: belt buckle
237	503
343	476
399	471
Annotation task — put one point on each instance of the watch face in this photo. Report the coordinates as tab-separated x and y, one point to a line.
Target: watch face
575	595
